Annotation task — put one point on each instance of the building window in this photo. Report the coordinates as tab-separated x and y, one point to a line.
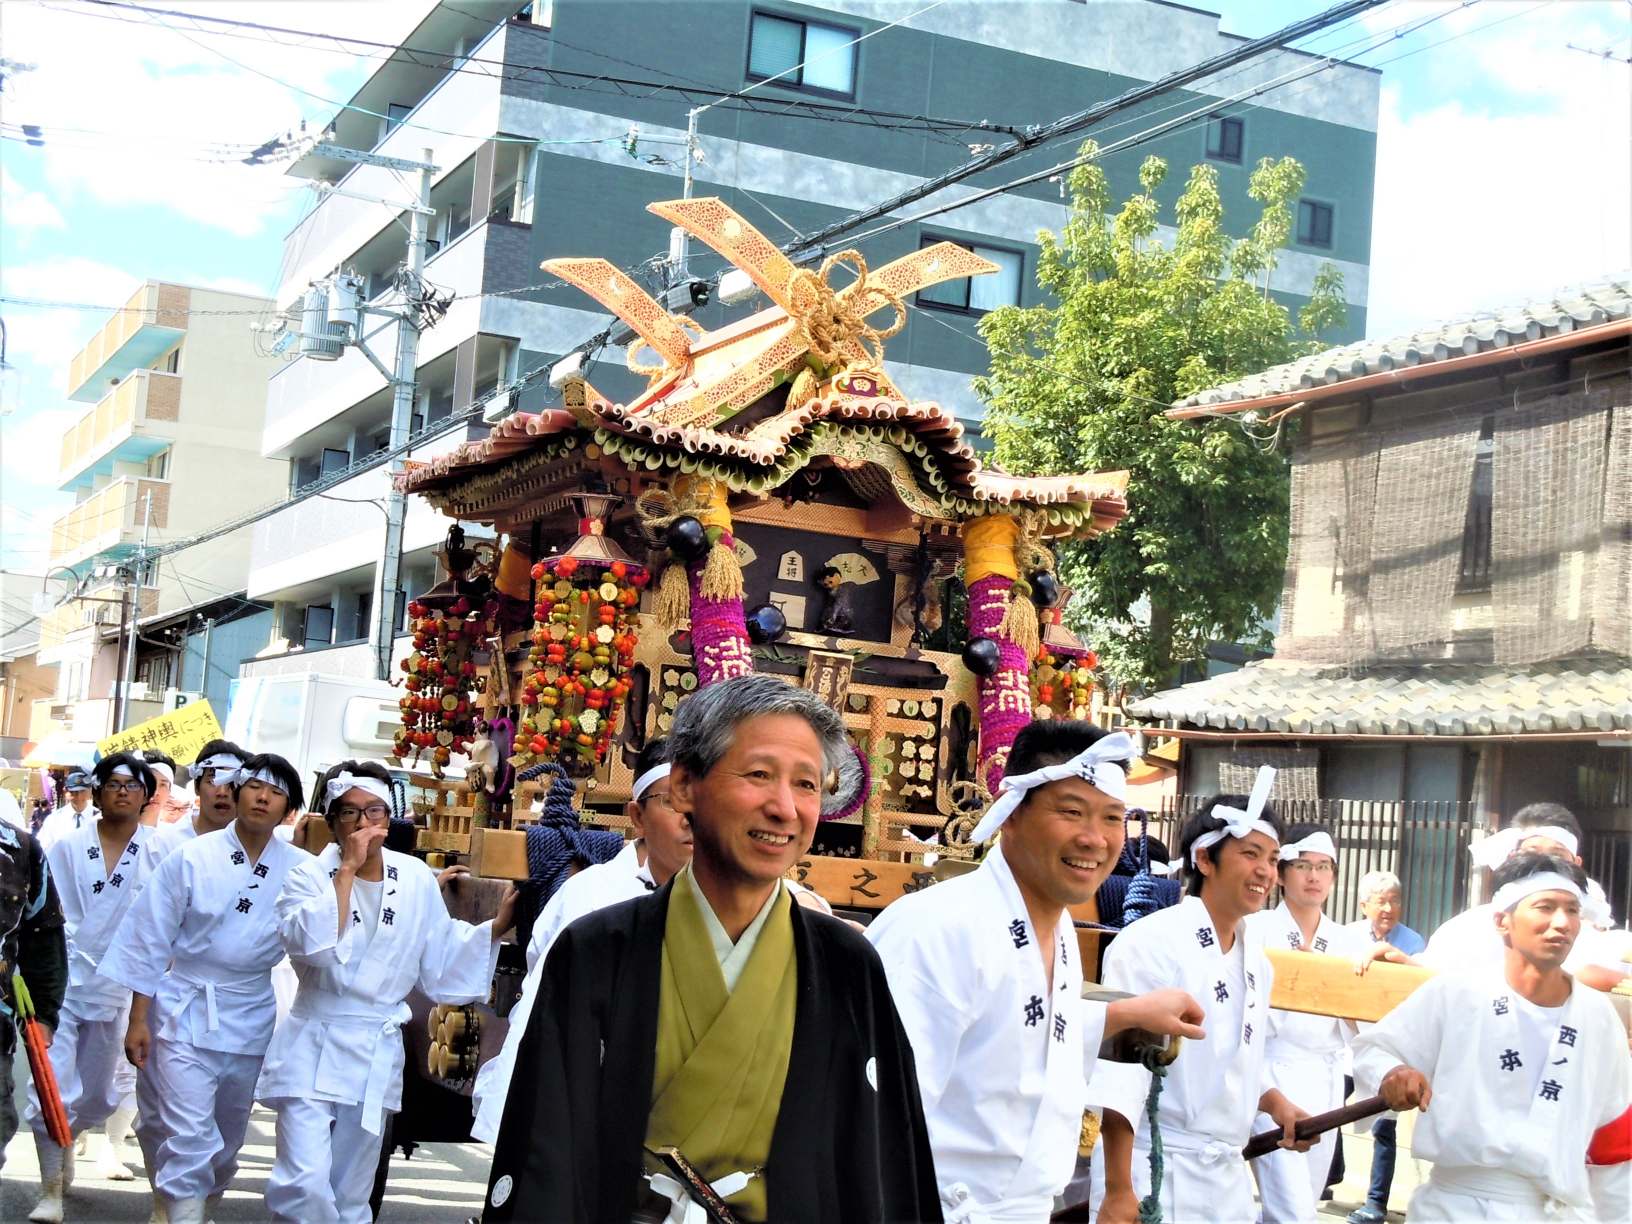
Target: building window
395	113
334	461
978	294
172	361
1224	138
802	54
364	603
318	626
399	618
1314	223
158	466
1474	573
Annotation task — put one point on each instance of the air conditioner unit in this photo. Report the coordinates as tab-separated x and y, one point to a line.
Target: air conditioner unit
139	691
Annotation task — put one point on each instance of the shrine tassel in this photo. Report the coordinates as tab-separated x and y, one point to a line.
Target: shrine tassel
722	572
1019	623
672	605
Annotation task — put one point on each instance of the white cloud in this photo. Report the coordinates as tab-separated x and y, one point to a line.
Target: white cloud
1515	183
51	337
30	445
25	209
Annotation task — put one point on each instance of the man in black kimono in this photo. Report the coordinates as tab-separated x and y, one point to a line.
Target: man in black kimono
712	1042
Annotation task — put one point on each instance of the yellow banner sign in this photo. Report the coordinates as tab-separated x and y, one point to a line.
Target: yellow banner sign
180	734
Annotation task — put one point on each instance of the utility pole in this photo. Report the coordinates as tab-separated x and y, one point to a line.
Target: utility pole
133	609
387	574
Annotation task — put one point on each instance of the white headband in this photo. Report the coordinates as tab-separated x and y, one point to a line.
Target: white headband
122	771
162	770
1496	849
1238	823
1515	891
644	783
1095	765
343	781
1595	909
260	775
221	760
1316	843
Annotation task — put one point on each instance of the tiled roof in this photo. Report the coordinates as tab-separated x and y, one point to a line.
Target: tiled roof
1422	699
1603	301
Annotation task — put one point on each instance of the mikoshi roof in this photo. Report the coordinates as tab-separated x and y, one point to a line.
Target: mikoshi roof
1453	699
1571	312
752	404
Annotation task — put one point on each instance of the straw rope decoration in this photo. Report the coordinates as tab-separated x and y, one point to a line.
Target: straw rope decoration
833	323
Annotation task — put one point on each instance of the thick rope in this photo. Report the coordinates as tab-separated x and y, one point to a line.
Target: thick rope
832	323
1150	1207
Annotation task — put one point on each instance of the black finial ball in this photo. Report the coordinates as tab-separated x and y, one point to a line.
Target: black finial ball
982	656
766	623
687	539
1045	588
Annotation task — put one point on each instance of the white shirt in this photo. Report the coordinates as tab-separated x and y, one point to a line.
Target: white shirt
1002	1059
1490	1115
95	896
62	822
341	1041
201	940
1297	1034
1211	1095
621	879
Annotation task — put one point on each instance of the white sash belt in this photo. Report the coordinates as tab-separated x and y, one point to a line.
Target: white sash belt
385	1023
1209	1149
246	985
1495	1184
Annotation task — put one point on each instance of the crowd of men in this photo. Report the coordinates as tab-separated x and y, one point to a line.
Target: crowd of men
700	1040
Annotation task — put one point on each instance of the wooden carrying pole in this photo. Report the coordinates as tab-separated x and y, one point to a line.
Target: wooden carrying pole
1329	986
1314	1127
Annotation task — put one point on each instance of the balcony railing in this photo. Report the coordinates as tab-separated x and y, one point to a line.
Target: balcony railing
148	401
109	519
1424	842
140	332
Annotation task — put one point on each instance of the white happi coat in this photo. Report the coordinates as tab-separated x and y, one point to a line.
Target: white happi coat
1210	1096
620	879
95	896
1511	1118
1002	1060
341	1042
1305	1059
214	914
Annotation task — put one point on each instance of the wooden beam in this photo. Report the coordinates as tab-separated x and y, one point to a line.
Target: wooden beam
860	883
499	854
1329	986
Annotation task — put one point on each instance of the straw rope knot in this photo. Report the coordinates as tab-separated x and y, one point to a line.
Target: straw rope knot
833	322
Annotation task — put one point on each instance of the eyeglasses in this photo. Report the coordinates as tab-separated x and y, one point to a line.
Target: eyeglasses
1311	866
115	784
661	797
374	812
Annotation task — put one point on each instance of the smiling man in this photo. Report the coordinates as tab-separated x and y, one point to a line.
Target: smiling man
1512	1068
712	1041
197	950
985	971
1217	1086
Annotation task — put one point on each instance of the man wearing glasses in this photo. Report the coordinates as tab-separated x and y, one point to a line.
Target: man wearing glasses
1305	1053
99	869
364	926
197	949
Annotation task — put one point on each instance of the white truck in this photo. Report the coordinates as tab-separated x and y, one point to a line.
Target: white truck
315	720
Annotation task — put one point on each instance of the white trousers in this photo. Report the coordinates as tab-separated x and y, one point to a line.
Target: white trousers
325	1166
85	1057
1290	1183
1200	1185
195	1107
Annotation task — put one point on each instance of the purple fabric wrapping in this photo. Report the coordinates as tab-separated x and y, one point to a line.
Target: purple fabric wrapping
1005	695
719	631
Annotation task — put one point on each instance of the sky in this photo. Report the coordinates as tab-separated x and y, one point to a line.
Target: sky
1503	170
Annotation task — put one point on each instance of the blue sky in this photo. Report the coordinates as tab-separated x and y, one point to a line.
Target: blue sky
1503	171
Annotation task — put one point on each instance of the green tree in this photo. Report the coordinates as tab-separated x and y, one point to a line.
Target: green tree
1081	384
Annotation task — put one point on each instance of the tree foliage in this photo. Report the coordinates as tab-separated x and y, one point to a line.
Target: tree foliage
1081	383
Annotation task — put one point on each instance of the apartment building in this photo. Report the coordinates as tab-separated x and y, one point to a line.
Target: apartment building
553	125
169	446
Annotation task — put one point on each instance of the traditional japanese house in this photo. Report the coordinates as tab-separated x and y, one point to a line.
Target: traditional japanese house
1455	634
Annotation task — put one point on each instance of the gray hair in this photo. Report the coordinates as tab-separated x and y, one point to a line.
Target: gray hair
706	721
1374	882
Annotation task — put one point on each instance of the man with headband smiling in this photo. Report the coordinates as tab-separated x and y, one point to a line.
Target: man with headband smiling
661	846
1217	1087
197	950
1513	1069
1304	1052
364	926
986	975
